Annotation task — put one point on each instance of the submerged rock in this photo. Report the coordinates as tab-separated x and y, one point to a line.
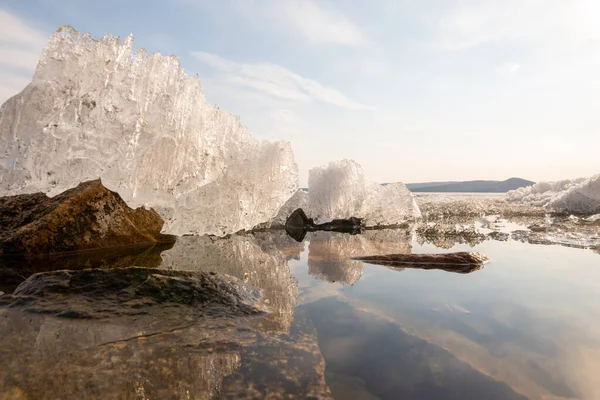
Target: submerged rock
281	367
86	217
121	358
258	259
461	262
101	294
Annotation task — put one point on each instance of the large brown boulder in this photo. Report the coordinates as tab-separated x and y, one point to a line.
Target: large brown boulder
86	217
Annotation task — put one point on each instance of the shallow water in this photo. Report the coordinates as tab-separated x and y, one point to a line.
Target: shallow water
527	325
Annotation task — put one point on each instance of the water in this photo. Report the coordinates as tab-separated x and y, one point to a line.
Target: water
527	325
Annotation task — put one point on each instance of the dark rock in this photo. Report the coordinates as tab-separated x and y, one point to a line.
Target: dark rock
298	219
298	224
132	291
462	262
86	217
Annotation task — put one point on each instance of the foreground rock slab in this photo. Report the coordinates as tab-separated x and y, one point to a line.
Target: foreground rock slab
98	294
88	216
461	262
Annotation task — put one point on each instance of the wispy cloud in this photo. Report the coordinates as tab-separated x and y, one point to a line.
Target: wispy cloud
20	47
508	70
483	21
276	81
311	20
316	22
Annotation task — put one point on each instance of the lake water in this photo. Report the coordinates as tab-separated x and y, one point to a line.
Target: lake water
527	325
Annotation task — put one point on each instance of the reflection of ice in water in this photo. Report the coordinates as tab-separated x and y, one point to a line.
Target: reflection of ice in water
459	218
330	253
259	259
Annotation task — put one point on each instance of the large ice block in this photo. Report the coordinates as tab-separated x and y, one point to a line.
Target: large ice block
341	190
95	109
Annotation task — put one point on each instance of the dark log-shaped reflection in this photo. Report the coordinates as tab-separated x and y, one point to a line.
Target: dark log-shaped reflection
461	262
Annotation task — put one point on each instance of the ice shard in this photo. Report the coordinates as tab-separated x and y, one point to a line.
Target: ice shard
95	109
581	196
341	190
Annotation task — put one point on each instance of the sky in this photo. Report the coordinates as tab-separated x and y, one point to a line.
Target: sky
421	90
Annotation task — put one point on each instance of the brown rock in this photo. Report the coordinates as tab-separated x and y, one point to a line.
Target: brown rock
99	294
86	217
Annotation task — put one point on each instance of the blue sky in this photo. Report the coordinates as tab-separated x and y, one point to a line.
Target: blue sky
412	90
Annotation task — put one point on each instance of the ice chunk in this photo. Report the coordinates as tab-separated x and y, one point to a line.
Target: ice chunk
298	200
341	191
574	196
141	124
583	198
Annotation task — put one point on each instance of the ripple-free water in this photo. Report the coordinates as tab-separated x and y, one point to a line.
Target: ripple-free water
527	325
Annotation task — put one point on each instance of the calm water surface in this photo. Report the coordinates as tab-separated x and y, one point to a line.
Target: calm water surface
527	325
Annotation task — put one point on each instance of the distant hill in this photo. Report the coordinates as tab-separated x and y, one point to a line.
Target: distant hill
470	186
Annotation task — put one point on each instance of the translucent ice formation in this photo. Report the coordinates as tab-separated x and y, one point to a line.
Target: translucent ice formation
574	196
141	124
298	200
340	191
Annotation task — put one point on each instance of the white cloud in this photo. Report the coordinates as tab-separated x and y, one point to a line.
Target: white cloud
276	81
20	47
16	32
478	22
315	22
508	70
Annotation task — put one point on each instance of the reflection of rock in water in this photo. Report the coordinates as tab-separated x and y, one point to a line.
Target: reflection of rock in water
391	363
15	269
289	366
461	262
256	259
330	253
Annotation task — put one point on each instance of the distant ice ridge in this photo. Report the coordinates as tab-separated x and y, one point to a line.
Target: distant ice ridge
141	124
341	190
580	195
